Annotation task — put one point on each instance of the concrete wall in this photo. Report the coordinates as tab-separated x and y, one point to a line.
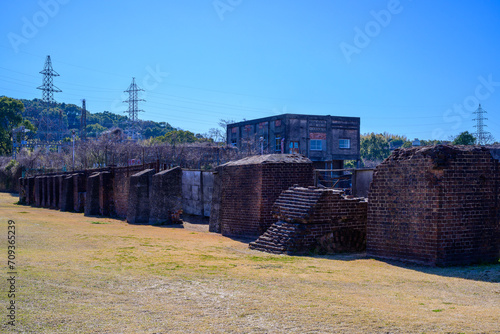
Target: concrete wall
197	187
361	179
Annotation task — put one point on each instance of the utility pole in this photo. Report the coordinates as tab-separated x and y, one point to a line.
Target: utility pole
482	136
133	105
83	122
48	89
73	137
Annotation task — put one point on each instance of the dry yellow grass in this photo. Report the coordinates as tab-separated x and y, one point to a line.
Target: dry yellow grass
81	274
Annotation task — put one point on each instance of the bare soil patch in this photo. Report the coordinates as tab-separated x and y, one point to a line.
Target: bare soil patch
80	274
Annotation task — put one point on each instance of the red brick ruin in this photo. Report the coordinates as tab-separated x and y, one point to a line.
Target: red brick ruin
245	191
315	220
434	205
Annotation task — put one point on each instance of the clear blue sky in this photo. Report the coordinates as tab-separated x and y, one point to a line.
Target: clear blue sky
414	68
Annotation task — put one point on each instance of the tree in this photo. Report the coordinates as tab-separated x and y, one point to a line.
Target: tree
11	117
374	147
223	124
464	138
178	137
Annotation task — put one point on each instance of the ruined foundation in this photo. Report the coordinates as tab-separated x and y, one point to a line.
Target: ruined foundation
315	220
245	191
436	205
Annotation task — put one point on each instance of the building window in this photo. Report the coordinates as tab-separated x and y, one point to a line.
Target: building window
294	147
277	144
316	145
344	143
234	142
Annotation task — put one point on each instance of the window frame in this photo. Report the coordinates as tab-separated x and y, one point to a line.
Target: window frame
345	140
318	145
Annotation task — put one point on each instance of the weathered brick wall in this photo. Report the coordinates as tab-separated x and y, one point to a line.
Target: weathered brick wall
249	188
435	205
314	219
67	193
79	189
166	196
138	198
92	196
106	194
120	187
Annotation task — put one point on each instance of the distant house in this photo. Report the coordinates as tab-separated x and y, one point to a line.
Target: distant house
326	140
416	142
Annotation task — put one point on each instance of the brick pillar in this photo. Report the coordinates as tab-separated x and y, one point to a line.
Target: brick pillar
105	194
67	194
44	191
138	197
56	191
49	193
92	197
38	191
79	187
214	224
165	196
30	191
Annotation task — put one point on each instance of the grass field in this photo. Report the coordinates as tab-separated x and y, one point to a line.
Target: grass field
79	274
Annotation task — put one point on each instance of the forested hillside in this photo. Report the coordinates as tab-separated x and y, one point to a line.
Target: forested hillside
69	115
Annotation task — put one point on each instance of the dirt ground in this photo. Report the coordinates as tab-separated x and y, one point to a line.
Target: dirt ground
77	274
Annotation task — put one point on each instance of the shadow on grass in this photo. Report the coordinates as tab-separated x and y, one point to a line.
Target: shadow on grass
479	272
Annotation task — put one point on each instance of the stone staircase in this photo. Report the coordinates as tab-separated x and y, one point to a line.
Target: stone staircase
278	239
292	209
314	219
296	204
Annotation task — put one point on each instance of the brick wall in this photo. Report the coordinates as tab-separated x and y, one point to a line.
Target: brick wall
121	176
249	187
314	219
139	197
166	196
435	205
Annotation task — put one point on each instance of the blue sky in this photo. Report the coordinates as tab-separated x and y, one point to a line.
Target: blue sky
414	68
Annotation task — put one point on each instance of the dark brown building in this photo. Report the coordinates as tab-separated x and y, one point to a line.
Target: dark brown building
326	140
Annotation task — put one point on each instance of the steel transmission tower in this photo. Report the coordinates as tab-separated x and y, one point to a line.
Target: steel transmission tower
482	136
48	90
133	105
